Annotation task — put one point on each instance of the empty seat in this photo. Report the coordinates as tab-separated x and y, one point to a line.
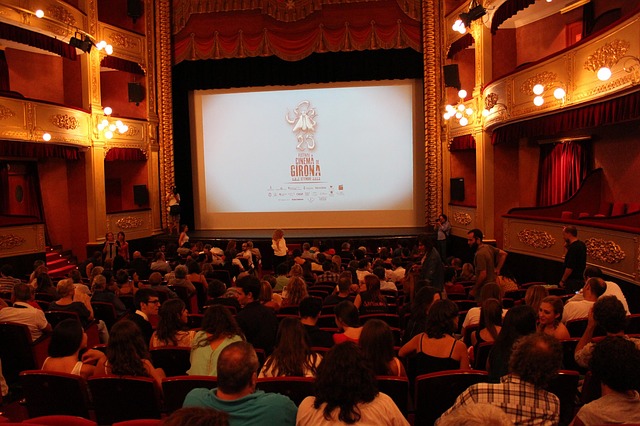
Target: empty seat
397	388
117	398
48	393
565	387
174	360
296	388
18	352
175	389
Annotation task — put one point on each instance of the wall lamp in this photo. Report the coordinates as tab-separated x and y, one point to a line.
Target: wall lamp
460	111
476	11
109	126
559	93
606	57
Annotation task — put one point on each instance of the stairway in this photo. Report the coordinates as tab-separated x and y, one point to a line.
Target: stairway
59	262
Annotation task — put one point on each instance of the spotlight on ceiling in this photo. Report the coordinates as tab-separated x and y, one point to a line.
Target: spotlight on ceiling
83	44
476	11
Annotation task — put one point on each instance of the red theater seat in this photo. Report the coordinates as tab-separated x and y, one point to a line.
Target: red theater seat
618	209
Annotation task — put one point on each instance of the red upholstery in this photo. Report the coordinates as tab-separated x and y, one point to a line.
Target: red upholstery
176	388
567	215
296	388
565	387
605	209
633	208
582	215
618	208
139	422
50	394
60	420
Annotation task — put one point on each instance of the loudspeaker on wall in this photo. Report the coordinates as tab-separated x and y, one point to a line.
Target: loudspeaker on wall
457	189
451	76
136	93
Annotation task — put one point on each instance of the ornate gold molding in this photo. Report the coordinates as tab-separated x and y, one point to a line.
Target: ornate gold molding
546	78
432	45
604	251
10	241
129	222
65	121
536	239
61	14
607	55
6	112
462	218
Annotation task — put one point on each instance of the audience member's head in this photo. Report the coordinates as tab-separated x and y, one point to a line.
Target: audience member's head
292	355
592	272
155	279
534	296
519	321
347	314
75	276
99	283
344	381
126	349
344	282
65	288
216	289
266	292
594	287
22	292
491	317
197	416
442	319
282	269
609	313
173	318
296	290
310	307
422	302
146	300
237	369
490	291
536	358
218	322
181	272
376	341
550	311
67	338
250	286
296	271
615	362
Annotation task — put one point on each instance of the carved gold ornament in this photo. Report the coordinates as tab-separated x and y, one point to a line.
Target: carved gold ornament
61	14
546	78
607	55
129	222
10	241
604	251
65	121
536	239
462	218
6	113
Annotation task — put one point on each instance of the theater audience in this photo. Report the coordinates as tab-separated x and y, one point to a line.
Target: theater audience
371	301
268	298
101	294
535	360
6	280
549	316
44	285
578	309
490	323
488	291
310	309
348	322
397	271
160	264
344	286
157	283
467	273
219	330
127	354
346	392
534	296
376	341
236	393
612	289
66	291
172	329
22	312
147	303
293	355
519	321
609	314
294	293
67	340
615	363
258	322
420	305
436	349
218	295
380	272
181	280
329	274
473	414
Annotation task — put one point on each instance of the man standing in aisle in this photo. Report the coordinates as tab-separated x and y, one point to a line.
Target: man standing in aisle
575	261
488	261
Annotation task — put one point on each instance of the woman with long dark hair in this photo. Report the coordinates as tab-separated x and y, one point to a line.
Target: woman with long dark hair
376	341
420	306
490	323
172	329
296	291
219	330
549	318
348	322
127	354
371	301
347	392
293	355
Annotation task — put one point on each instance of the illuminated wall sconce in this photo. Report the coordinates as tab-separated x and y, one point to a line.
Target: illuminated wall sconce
607	56
559	92
491	105
460	111
107	126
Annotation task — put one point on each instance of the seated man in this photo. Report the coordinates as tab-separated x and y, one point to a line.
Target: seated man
384	285
344	288
181	280
611	288
258	322
236	393
310	308
535	359
577	309
615	362
6	280
101	294
147	303
157	284
23	313
329	274
608	313
140	265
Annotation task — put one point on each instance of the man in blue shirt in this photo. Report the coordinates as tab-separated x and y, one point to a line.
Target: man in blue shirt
236	393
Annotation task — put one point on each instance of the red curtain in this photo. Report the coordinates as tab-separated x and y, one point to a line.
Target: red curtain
125	154
506	10
38	40
459	45
4	73
562	167
613	111
121	65
462	143
37	150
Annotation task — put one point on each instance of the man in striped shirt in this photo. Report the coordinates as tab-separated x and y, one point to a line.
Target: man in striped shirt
6	280
535	360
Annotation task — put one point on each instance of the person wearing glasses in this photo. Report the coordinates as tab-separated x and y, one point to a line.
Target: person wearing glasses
147	303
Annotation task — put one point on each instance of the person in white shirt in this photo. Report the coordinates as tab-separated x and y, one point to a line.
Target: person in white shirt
612	289
575	309
23	313
396	274
384	285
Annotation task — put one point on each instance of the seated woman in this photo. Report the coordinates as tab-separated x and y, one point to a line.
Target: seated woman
534	296
377	345
467	273
217	295
346	392
436	349
67	340
292	355
44	285
66	291
488	291
172	329
219	330
295	291
268	298
549	316
490	323
420	306
127	354
371	301
348	322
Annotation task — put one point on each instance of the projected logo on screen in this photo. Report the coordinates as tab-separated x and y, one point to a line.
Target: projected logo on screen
304	125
